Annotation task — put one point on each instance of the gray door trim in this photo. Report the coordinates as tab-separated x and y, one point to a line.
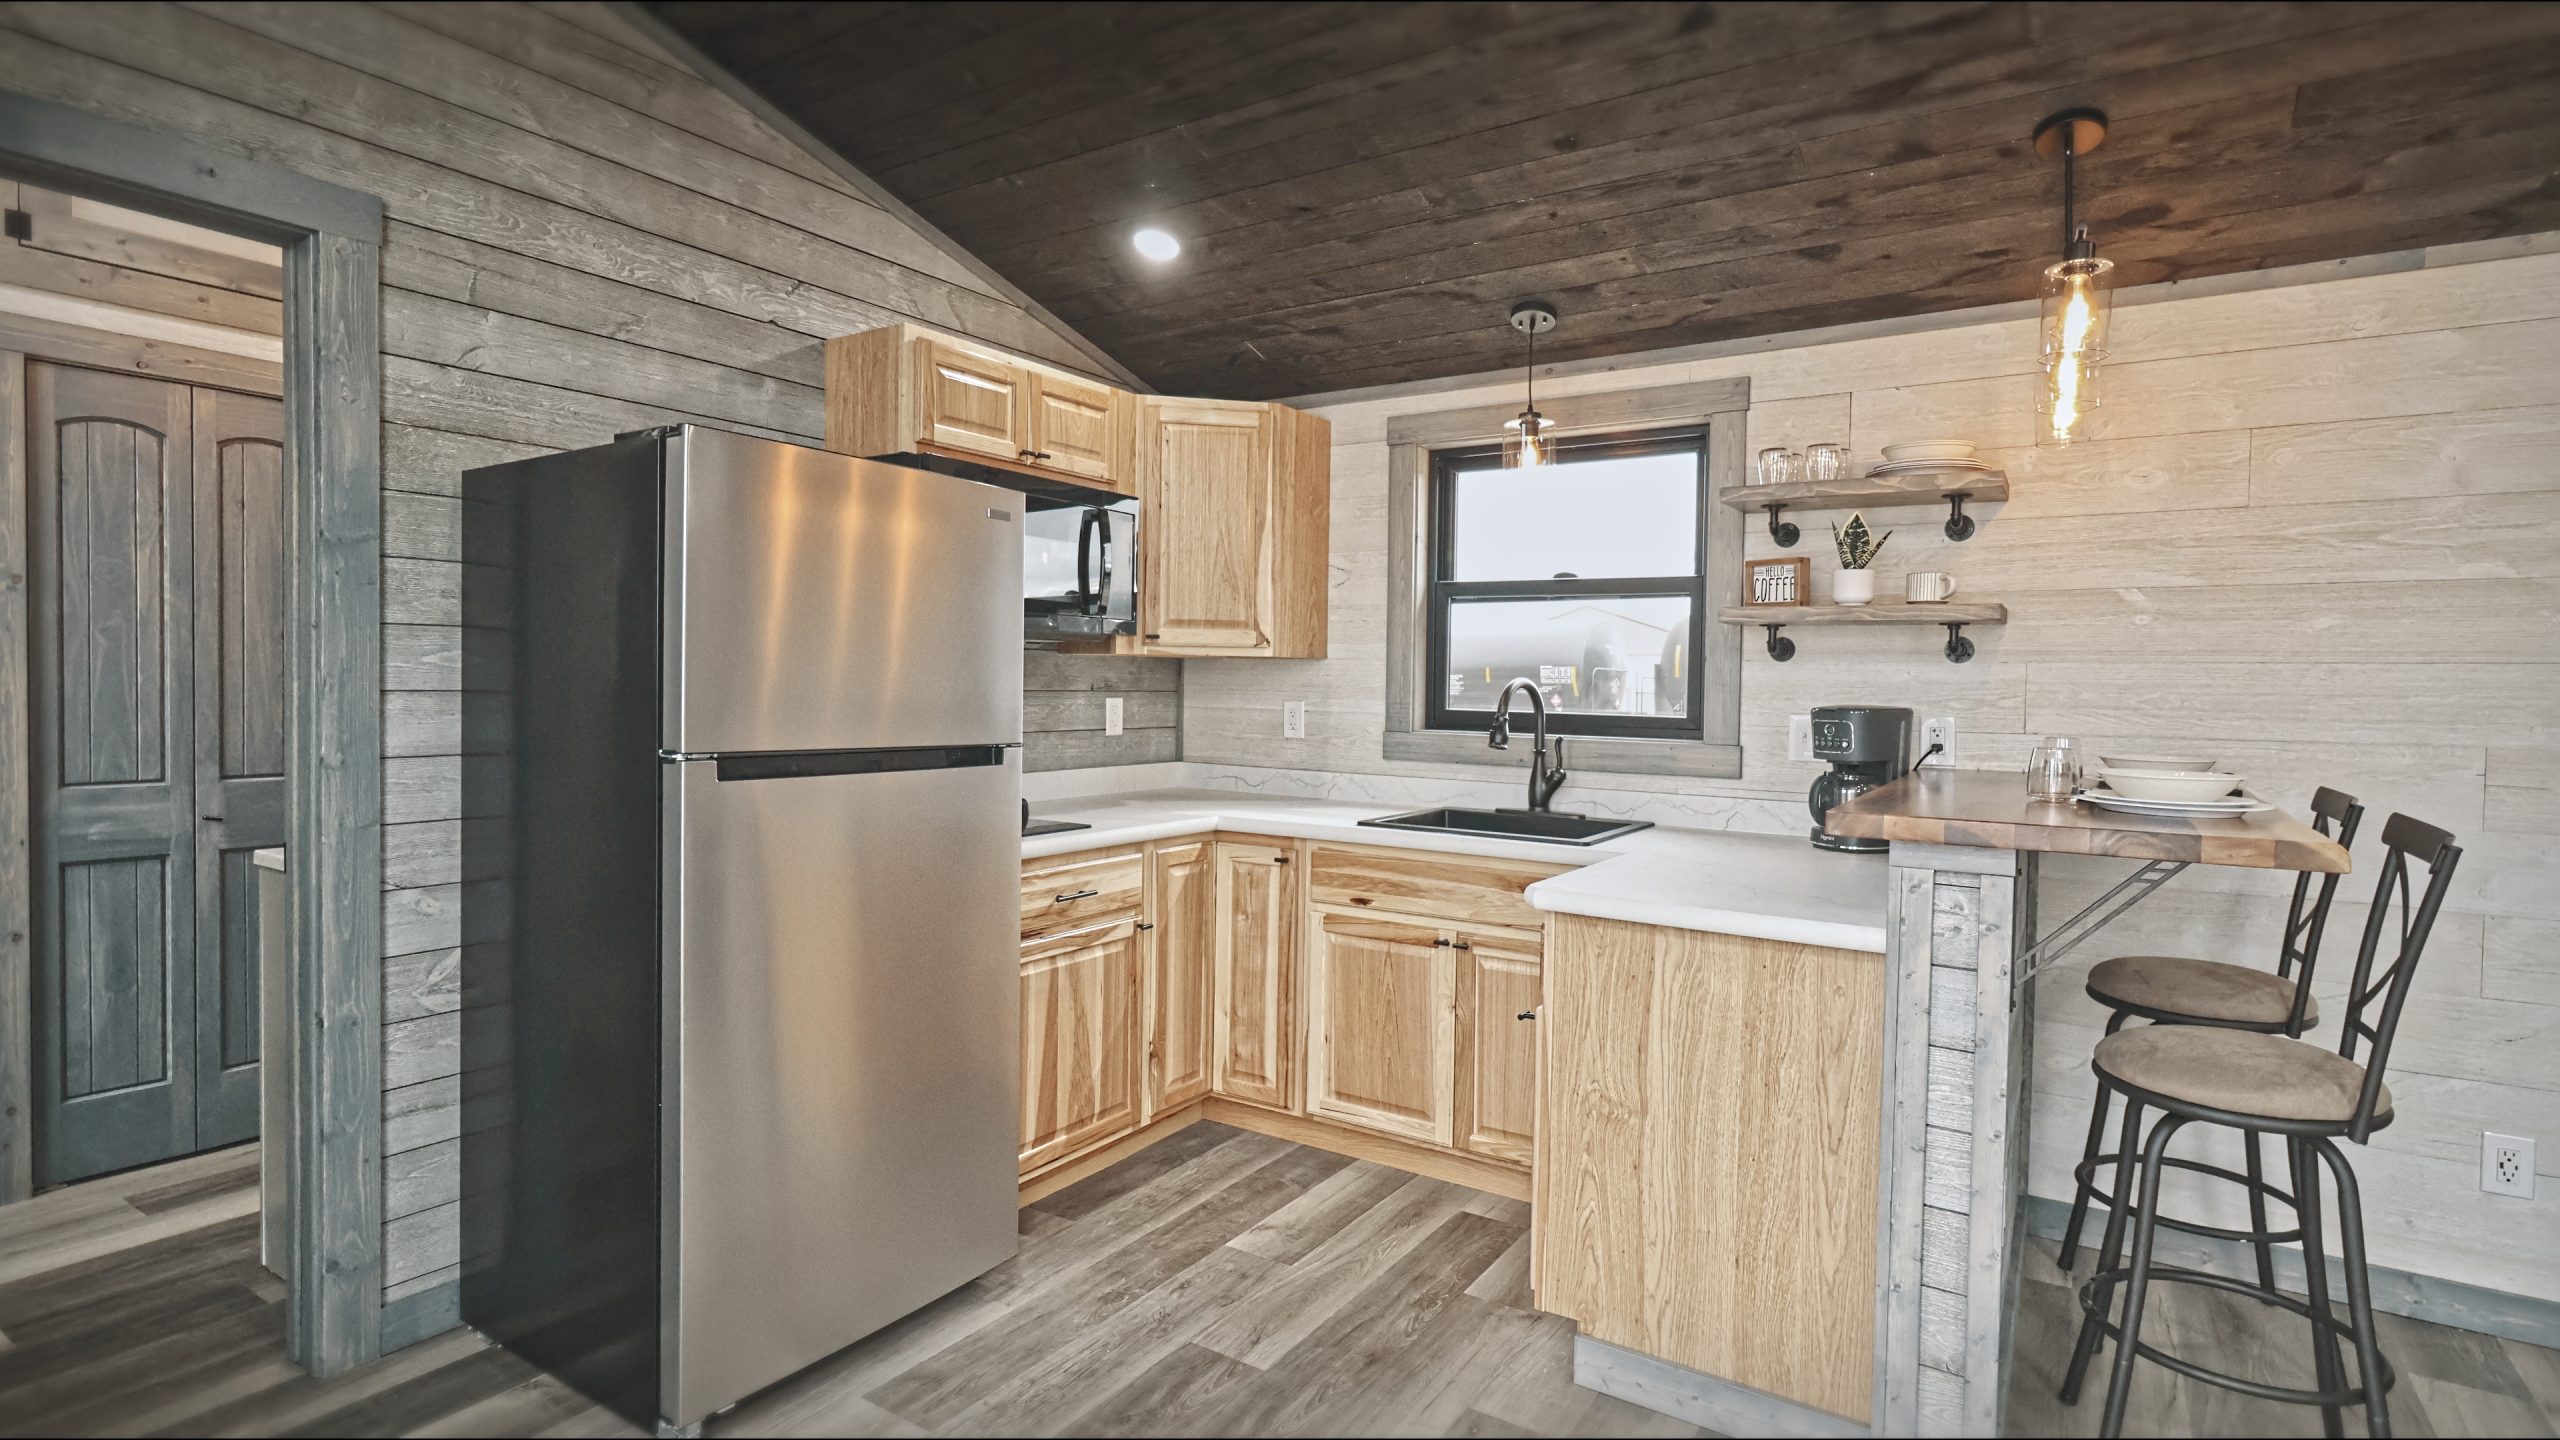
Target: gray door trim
333	728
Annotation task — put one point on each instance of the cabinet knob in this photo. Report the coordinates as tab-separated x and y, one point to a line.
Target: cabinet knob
1280	860
1463	945
1146	925
1528	1015
1442	942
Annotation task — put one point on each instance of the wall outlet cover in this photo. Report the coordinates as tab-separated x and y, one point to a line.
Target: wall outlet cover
1293	719
1114	715
2506	1164
1800	737
1939	730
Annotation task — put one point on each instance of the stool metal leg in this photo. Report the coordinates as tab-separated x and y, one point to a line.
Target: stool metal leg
2098	1289
2086	1178
2258	1214
2325	1361
2377	1414
2145	1225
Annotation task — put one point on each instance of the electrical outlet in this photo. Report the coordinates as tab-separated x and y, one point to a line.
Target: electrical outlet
1799	737
1939	730
2506	1164
1293	719
1113	716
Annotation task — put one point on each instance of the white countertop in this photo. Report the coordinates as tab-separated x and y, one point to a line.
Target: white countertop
1768	887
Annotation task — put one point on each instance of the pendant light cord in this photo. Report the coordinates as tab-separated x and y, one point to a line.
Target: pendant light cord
2067	151
1533	369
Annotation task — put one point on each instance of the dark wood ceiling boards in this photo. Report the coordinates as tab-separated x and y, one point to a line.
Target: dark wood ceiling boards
1363	189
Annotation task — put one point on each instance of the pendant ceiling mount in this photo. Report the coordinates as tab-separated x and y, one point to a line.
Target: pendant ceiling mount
2084	127
1533	317
1527	442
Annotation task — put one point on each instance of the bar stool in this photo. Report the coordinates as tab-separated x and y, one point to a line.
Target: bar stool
2178	990
2274	1084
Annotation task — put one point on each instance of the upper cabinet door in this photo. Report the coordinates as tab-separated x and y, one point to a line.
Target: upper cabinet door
1204	489
1081	429
970	402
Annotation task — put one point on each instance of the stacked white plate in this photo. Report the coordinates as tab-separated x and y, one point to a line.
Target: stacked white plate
2156	790
1923	467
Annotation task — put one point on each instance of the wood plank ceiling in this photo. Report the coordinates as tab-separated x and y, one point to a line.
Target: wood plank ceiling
1363	190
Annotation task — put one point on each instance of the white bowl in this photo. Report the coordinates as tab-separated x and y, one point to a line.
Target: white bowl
1930	450
2176	786
2196	764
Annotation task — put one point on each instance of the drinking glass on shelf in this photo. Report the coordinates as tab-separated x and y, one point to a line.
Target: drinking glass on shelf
2053	771
1780	466
1825	462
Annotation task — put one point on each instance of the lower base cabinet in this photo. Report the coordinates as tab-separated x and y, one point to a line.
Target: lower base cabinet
1501	981
1080	1081
1256	965
1382	1025
1176	1011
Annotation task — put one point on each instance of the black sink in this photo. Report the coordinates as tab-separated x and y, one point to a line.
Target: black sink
1051	827
1545	827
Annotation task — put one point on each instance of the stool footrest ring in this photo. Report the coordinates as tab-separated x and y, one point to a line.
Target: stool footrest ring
2085	1175
2096	1309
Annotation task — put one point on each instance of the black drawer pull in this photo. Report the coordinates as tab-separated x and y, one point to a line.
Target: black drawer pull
1528	1015
1075	895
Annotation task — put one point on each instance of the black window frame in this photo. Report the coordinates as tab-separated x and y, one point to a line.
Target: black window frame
1441	591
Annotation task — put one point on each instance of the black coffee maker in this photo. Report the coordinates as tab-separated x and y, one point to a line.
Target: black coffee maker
1867	745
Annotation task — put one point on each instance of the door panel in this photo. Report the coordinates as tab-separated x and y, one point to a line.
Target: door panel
1204	485
970	403
819	602
239	736
1079	1043
1256	958
1381	1026
109	559
1498	980
844	1059
1081	429
1177	1002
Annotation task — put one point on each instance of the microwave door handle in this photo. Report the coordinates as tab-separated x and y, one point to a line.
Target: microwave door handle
1084	560
1098	600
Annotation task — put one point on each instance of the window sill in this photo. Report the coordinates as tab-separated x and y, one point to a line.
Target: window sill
1595	754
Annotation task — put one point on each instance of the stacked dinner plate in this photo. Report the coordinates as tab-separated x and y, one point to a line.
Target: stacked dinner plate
2179	785
1923	456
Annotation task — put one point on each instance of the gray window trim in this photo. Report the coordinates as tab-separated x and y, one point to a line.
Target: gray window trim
1720	405
331	237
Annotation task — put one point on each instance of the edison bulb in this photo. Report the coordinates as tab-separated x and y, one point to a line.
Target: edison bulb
2074	341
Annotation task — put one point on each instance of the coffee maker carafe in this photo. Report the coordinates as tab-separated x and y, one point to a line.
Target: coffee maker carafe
1867	745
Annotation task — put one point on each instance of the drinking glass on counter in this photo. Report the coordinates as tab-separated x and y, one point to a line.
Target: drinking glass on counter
2053	771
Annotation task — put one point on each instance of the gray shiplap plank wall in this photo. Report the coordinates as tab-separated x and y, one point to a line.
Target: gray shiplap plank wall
583	239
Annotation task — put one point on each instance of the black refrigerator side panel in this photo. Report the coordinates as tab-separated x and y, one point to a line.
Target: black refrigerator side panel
560	1033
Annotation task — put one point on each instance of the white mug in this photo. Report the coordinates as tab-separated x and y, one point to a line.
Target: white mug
1928	587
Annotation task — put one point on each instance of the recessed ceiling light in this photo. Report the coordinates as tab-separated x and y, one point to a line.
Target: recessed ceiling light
1156	245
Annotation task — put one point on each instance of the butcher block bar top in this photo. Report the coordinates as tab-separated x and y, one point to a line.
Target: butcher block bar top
1990	808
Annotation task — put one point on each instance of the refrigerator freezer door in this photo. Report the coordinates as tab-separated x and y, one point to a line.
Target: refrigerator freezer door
819	602
842	1052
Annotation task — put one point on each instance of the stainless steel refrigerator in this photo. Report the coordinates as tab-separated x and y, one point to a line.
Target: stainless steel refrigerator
741	730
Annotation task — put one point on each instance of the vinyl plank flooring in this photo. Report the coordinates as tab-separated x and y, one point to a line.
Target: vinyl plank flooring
1220	1283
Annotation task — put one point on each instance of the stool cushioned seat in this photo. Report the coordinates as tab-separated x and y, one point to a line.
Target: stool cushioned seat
2207	990
2238	1071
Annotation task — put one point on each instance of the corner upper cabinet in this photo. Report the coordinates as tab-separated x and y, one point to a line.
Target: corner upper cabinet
904	390
1234	510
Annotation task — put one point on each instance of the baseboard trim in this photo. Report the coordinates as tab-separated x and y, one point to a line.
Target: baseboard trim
1485	1175
421	1316
1042	1184
2398	1292
1699	1398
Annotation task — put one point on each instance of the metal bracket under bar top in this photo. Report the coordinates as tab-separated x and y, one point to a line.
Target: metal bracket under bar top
2067	936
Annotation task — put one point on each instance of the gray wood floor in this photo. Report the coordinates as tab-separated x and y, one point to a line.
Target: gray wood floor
1219	1284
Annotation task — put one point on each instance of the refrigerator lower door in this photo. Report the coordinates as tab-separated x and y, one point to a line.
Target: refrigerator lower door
842	1047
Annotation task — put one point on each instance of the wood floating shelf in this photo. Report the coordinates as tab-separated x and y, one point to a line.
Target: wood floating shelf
1954	614
1920	487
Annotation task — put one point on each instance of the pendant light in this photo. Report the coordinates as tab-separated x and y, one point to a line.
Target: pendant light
2072	325
1530	441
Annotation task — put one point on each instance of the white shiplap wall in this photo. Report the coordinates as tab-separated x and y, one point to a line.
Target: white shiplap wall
2317	533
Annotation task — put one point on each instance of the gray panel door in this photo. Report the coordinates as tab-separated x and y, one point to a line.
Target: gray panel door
110	559
239	737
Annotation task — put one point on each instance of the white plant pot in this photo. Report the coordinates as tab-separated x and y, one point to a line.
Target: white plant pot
1852	587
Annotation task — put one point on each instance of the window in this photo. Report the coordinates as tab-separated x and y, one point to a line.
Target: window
1585	576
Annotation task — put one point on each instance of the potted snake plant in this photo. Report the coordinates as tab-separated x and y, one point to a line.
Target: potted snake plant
1854	583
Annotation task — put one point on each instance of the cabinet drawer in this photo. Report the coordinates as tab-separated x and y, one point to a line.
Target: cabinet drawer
1086	890
1418	882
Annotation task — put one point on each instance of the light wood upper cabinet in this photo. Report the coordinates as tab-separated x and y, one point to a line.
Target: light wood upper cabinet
1080	1081
1255	969
1175	1001
970	402
1084	430
1498	976
1381	1023
1234	508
